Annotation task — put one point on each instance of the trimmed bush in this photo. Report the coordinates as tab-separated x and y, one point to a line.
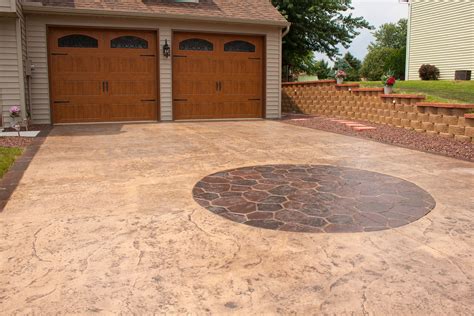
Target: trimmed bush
429	72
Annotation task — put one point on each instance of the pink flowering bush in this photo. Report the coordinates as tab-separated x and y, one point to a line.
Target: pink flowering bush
14	111
341	74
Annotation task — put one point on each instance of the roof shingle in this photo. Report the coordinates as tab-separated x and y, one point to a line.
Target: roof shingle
258	10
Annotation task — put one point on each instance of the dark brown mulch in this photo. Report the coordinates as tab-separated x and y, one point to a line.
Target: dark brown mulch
15	141
20	141
390	135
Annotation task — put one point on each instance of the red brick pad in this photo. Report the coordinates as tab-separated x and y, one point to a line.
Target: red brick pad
313	198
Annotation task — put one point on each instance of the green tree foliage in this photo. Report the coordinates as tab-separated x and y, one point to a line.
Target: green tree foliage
322	69
317	26
392	35
388	53
350	64
376	63
313	67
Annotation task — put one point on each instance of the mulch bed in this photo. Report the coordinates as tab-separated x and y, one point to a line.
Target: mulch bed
389	135
21	142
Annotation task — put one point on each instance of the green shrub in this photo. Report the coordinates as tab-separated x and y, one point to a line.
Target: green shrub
428	72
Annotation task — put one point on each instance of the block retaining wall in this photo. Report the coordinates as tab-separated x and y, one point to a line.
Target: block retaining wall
348	101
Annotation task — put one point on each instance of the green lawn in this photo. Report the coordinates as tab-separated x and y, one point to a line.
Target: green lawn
446	91
7	157
307	78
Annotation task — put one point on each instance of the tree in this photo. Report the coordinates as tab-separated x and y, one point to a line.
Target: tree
322	69
351	65
388	53
313	67
317	26
392	35
376	63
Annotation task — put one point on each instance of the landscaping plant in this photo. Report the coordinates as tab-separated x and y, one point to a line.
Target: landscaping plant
429	72
14	111
15	114
388	81
340	76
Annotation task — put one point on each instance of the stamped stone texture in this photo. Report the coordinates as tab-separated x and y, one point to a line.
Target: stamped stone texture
313	198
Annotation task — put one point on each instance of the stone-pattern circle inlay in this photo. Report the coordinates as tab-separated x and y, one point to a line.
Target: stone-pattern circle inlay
313	198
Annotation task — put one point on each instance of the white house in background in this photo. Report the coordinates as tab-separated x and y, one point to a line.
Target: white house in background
76	61
440	33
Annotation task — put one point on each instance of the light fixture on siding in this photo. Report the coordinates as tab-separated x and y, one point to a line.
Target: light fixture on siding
166	49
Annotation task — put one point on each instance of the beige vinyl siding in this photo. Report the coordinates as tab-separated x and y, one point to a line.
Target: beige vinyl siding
10	67
166	95
442	34
7	6
273	91
37	53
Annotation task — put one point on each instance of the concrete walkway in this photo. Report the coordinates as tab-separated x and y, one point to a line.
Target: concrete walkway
104	221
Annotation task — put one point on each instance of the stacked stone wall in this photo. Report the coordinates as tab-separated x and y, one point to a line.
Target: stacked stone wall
325	98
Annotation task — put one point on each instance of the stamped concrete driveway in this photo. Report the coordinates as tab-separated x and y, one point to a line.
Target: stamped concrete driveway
104	220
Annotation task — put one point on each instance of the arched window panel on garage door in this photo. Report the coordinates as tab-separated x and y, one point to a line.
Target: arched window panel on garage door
196	44
127	41
78	41
239	46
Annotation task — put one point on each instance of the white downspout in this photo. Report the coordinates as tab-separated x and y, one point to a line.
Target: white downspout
408	48
286	31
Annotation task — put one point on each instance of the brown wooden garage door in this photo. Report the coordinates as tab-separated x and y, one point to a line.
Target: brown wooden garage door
217	76
102	75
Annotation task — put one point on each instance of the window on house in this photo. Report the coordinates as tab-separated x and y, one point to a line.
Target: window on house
129	42
196	44
239	46
77	41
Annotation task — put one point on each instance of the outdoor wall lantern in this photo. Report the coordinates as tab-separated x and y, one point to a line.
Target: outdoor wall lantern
166	49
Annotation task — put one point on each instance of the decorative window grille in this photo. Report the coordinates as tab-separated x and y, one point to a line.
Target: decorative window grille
196	44
129	42
78	41
239	46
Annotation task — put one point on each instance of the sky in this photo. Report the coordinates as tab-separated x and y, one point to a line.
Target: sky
376	12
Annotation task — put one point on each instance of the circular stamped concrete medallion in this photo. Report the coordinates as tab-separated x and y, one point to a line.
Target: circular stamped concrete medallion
313	198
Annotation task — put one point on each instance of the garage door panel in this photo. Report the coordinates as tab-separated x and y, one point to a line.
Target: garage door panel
68	88
124	112
198	66
67	64
241	66
185	88
132	88
105	81
71	113
241	88
131	65
197	110
240	108
219	83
